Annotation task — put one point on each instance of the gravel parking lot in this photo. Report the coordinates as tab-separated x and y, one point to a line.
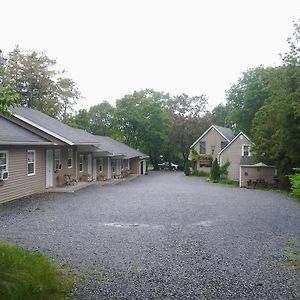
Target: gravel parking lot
164	236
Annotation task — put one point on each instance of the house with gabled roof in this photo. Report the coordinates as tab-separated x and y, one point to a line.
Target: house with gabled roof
59	152
221	143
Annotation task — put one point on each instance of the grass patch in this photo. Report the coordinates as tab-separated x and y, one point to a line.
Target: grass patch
293	254
27	275
230	182
200	173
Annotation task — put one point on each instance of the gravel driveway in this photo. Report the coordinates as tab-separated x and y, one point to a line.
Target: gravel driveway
164	236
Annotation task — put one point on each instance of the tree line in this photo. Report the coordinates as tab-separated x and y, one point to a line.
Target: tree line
264	103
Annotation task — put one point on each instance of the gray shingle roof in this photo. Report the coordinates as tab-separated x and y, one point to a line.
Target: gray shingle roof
13	134
118	148
226	132
76	136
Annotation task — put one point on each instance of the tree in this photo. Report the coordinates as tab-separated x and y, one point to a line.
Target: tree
68	94
37	83
220	114
215	171
141	122
189	118
8	98
246	97
101	118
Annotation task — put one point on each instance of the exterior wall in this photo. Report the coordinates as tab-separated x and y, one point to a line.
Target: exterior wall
233	154
135	165
19	184
253	173
213	139
58	175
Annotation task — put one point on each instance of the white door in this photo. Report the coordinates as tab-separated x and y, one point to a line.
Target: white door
94	169
90	164
49	168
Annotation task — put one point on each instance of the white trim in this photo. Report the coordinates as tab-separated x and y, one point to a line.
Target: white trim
240	176
34	162
6	152
43	129
72	157
243	145
234	140
212	126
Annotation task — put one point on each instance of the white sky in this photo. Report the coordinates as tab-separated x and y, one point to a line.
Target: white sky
113	47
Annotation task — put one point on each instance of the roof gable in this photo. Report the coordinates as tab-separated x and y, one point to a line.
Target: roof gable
13	134
241	133
224	132
53	127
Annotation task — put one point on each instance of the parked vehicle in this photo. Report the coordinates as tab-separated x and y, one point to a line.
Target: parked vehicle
168	166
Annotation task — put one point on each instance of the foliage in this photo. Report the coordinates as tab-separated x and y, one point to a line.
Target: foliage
189	118
226	181
295	183
220	114
224	169
37	83
187	169
194	155
25	275
200	173
246	97
8	98
215	171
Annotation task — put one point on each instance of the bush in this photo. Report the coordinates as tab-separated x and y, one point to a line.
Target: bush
215	171
200	173
25	275
224	169
295	182
229	182
187	170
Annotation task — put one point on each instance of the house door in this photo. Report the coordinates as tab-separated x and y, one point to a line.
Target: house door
49	168
94	169
89	164
142	168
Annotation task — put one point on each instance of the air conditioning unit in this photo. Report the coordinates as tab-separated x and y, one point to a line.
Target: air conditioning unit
4	175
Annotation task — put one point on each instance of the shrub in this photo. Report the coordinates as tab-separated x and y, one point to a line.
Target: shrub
224	169
229	182
25	275
200	173
187	170
215	171
295	182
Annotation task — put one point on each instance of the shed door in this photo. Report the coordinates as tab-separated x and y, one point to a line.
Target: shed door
49	168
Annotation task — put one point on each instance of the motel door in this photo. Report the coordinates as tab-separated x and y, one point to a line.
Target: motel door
49	168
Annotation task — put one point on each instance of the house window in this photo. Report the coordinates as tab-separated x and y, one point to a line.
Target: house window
202	147
70	158
57	163
30	162
223	145
80	163
100	165
4	161
246	150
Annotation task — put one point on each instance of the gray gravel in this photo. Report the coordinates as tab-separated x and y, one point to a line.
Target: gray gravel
164	236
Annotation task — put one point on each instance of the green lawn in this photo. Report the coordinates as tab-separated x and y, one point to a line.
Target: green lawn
26	275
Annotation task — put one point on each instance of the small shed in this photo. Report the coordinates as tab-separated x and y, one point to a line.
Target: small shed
257	174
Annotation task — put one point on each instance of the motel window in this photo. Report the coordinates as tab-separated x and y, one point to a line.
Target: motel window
4	161
30	162
100	165
202	147
246	150
70	158
57	163
80	163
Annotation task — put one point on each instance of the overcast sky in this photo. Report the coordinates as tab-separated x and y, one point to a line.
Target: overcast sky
113	47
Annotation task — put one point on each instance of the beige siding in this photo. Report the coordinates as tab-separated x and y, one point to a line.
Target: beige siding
253	173
213	140
233	154
19	183
135	165
58	175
